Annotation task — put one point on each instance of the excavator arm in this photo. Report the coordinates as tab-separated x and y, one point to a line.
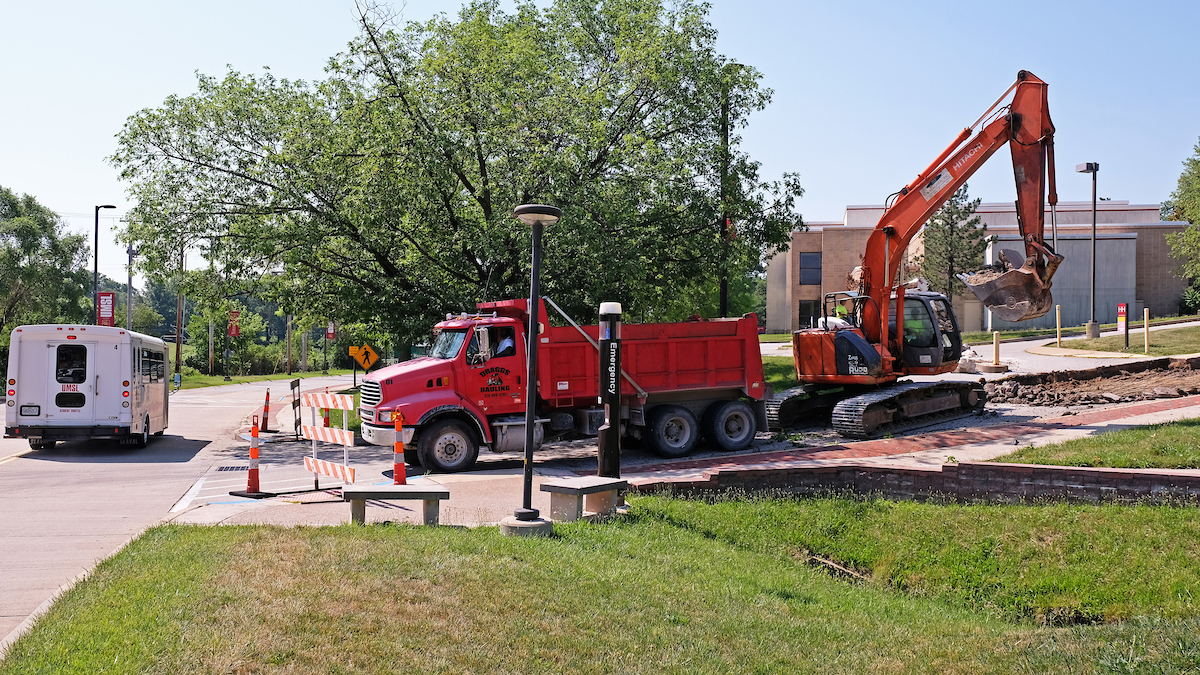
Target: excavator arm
1022	290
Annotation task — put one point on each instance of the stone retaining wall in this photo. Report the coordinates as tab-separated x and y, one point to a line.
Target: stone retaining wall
966	481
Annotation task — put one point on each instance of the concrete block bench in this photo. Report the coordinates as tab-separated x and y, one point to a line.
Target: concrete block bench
567	496
430	496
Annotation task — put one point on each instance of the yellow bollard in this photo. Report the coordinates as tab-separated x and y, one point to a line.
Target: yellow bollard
1146	326
1058	322
996	348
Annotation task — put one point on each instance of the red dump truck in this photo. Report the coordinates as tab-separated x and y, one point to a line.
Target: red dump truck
681	381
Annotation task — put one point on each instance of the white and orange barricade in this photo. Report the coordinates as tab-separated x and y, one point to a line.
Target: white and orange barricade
343	437
399	468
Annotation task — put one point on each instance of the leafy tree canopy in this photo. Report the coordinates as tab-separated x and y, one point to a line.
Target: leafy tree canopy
384	193
1184	204
44	275
955	241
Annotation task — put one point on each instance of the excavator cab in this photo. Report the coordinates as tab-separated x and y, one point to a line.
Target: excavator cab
931	334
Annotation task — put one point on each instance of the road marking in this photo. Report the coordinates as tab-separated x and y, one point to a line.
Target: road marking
16	455
186	501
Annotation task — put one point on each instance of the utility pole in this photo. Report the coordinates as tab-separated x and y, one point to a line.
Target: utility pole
129	288
179	318
289	344
211	360
724	308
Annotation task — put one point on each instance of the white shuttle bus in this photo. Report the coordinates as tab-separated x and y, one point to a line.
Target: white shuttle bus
73	382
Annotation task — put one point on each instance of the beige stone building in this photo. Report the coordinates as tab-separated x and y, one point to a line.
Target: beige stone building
1134	264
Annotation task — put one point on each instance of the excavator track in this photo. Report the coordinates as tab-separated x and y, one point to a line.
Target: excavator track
906	406
792	405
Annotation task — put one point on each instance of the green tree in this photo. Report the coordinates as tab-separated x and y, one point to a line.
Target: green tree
1184	204
955	240
383	194
44	277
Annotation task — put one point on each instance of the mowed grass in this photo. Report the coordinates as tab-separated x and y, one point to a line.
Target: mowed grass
1163	342
677	586
1171	445
199	381
780	372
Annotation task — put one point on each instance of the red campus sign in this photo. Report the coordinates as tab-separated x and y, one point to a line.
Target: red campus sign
234	326
107	302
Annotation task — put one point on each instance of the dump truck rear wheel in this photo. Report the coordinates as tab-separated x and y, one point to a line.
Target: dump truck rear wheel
448	446
729	425
672	431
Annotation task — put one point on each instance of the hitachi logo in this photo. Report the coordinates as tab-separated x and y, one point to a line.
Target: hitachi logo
970	153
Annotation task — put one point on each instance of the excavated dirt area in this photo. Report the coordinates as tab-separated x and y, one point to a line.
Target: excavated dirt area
1093	387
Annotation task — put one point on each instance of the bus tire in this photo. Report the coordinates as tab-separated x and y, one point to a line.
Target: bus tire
448	446
672	431
730	425
140	440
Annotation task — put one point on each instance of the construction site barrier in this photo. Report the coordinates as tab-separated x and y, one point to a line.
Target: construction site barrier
343	436
253	490
266	411
399	470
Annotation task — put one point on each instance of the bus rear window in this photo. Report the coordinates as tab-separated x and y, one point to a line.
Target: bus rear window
70	366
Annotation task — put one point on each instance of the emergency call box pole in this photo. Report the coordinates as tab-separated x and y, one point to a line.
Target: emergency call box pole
609	436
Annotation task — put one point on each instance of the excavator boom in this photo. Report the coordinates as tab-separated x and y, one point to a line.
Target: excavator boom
1018	287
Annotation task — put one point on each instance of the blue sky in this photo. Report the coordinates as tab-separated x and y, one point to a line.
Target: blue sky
866	93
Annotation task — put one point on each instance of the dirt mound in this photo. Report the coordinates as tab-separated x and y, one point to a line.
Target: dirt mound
1089	387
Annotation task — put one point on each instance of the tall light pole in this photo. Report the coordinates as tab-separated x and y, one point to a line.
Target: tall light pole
536	216
129	287
1093	328
96	268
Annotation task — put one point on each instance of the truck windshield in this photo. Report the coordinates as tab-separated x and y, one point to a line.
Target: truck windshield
447	344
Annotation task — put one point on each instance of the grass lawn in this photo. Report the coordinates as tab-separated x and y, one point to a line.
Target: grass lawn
774	337
780	372
198	381
677	586
1162	342
1157	446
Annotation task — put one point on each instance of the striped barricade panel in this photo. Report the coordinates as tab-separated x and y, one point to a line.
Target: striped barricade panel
331	401
342	471
328	434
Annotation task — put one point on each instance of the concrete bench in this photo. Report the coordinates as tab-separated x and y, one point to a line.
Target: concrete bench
567	496
430	496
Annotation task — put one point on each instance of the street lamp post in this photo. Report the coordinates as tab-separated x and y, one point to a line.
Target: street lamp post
129	287
96	268
1093	328
525	520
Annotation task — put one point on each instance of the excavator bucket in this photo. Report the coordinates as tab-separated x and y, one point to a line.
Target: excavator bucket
1012	292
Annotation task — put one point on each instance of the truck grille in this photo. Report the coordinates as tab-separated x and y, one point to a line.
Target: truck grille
370	393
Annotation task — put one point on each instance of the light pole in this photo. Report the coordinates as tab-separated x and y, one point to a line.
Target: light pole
129	287
96	268
1093	328
525	519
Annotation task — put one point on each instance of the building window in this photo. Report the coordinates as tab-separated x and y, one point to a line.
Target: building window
810	311
810	269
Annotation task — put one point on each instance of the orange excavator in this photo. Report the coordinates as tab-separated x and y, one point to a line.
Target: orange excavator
880	331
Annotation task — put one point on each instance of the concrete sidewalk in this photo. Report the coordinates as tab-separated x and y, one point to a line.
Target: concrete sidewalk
485	497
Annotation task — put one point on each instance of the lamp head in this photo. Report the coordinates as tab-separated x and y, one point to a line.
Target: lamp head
532	213
1087	167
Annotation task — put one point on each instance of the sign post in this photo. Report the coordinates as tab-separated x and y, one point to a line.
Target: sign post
1123	321
233	330
107	305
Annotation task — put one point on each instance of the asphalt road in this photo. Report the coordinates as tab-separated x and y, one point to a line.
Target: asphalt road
68	507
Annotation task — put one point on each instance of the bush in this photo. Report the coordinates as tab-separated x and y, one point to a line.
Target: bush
1190	302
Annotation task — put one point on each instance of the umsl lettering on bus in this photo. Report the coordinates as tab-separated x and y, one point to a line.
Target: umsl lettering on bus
70	387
